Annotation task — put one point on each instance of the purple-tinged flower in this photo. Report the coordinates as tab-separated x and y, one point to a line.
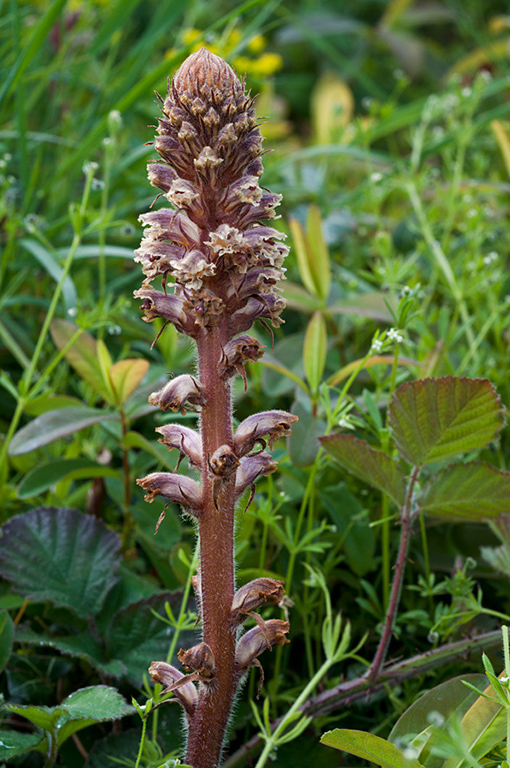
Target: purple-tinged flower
268	424
179	393
252	467
257	640
254	594
186	440
200	659
237	352
175	681
178	488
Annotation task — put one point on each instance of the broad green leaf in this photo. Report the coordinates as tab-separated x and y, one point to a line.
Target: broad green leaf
54	425
450	699
51	402
319	256
369	747
314	350
483	727
125	376
370	465
6	638
45	475
137	635
14	743
301	249
435	419
76	553
83	356
42	717
474	491
82	645
96	704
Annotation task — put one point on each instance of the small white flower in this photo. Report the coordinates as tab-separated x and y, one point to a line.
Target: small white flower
344	423
394	335
410	753
438	131
376	176
406	290
466	92
472	213
435	718
377	345
72	311
97	184
89	168
504	679
485	75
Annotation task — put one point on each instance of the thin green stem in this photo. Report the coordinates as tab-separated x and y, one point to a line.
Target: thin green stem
506	652
142	741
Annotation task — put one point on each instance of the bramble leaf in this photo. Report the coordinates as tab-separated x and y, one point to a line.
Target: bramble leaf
372	466
435	419
60	555
474	490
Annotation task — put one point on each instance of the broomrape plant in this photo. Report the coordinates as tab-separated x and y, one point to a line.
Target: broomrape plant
225	266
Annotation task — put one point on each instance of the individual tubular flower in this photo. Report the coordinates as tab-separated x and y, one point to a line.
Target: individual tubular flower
200	659
178	488
238	352
268	424
254	594
262	637
173	680
251	467
180	392
186	440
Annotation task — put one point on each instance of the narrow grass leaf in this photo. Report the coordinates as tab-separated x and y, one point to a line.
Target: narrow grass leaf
470	491
53	268
318	252
370	465
314	350
368	747
435	419
301	249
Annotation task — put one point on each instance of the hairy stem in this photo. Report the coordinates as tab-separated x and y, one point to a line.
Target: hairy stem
396	587
216	530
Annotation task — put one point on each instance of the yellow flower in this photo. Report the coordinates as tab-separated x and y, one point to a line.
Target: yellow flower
257	44
267	64
190	35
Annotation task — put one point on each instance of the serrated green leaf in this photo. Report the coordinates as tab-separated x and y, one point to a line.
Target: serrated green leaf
370	465
54	425
6	638
125	376
96	704
435	419
369	747
314	350
14	743
85	356
467	491
319	256
42	717
76	553
45	475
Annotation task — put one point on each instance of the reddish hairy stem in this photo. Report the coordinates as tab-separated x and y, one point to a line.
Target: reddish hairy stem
216	529
396	587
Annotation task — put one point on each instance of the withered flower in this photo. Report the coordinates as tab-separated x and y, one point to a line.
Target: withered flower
178	488
186	440
200	659
253	430
259	639
175	681
254	594
178	393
